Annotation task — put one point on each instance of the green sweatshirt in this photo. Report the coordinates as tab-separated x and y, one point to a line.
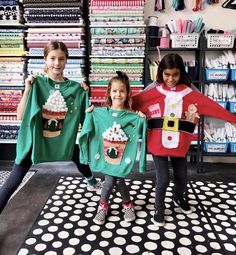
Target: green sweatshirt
36	131
112	158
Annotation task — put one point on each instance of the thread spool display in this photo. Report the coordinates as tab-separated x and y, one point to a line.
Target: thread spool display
153	21
153	26
165	39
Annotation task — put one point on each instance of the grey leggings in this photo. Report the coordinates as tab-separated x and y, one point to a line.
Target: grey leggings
163	178
109	183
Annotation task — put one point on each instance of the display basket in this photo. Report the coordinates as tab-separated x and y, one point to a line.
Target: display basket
233	74
220	41
214	147
232	107
189	40
217	74
222	103
232	147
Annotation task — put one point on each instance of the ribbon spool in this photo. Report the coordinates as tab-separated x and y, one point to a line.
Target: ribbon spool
165	39
153	26
153	21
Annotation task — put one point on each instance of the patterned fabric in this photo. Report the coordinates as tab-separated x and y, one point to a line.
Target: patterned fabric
51	1
10	13
117	3
72	52
53	15
117	30
8	2
116	61
118	51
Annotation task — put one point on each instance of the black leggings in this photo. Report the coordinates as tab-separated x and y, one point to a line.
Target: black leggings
19	171
163	178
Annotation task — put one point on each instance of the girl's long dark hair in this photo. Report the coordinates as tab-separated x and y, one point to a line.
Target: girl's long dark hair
170	61
121	76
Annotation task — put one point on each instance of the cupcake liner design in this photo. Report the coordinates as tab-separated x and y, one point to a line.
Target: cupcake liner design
54	113
114	141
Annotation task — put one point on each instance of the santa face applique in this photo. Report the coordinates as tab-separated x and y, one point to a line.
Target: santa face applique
53	114
114	141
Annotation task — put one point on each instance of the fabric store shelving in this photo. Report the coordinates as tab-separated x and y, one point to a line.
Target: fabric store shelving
12	67
216	148
56	20
117	43
37	23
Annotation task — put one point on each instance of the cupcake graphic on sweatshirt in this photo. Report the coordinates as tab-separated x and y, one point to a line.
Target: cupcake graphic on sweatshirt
54	113
114	141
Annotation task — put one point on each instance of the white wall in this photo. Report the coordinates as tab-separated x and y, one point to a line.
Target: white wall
214	16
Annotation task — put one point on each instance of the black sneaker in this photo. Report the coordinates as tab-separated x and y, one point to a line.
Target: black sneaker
183	205
158	218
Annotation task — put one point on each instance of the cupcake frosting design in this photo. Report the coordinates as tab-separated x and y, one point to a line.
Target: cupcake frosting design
54	113
114	141
115	133
55	102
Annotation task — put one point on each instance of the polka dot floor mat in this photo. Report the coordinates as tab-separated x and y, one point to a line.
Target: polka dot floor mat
65	225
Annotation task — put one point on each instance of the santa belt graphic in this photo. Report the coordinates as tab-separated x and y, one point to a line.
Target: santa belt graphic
171	124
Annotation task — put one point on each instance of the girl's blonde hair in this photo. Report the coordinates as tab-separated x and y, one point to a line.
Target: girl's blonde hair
54	45
122	77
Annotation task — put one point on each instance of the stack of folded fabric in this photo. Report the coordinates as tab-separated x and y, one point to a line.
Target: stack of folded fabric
56	20
11	12
12	42
11	85
117	44
11	66
53	12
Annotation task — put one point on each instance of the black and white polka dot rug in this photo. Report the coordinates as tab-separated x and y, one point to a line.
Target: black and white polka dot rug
65	225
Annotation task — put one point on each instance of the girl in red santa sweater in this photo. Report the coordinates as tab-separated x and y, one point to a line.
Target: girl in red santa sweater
173	109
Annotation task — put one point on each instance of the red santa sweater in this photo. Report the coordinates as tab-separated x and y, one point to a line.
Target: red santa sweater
172	115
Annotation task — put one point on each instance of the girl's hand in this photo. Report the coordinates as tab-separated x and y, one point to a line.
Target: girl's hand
234	124
90	109
140	114
28	82
84	86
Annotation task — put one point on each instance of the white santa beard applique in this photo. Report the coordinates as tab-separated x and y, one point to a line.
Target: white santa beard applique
172	112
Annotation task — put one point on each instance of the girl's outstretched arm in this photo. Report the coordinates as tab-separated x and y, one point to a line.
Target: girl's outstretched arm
141	114
21	106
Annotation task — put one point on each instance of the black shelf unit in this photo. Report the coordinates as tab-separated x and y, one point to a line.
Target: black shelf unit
150	49
204	81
